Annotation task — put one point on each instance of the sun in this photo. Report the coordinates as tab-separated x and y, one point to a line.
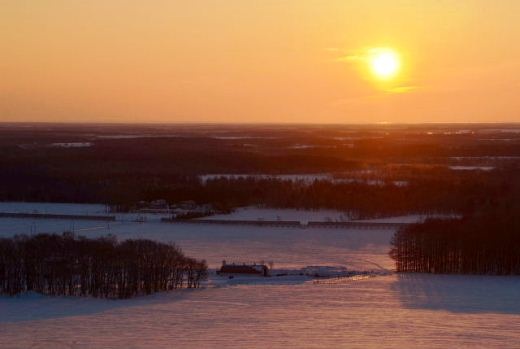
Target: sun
384	63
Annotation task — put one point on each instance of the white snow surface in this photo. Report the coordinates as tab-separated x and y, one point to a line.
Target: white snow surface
72	145
377	310
413	218
287	247
305	216
53	208
472	168
76	209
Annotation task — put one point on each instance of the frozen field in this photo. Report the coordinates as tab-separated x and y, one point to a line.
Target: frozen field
53	208
392	311
287	247
75	209
382	312
305	216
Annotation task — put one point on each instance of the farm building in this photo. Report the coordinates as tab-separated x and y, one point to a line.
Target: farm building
248	269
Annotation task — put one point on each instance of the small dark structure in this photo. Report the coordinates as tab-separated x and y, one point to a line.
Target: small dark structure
248	269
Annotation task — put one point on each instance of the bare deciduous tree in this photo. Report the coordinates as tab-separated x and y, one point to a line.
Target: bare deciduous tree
77	266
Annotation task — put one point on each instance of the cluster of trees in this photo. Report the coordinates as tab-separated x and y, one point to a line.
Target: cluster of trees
485	241
76	266
429	191
484	244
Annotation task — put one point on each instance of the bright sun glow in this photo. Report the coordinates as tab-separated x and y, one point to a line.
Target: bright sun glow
384	63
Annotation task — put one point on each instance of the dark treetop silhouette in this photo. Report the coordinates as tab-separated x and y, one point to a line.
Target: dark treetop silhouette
76	266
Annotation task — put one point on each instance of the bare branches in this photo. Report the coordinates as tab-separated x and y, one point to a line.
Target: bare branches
478	245
76	266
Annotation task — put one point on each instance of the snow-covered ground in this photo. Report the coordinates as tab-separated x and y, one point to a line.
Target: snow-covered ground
75	209
413	218
411	311
287	247
305	216
472	168
244	213
53	208
72	145
381	310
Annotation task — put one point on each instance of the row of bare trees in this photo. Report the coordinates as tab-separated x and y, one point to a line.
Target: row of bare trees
486	244
76	266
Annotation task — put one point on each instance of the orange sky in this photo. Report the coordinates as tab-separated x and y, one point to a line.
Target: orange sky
258	61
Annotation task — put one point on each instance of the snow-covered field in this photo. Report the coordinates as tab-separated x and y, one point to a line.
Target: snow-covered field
415	311
472	168
287	247
53	208
75	209
72	145
386	311
413	218
305	216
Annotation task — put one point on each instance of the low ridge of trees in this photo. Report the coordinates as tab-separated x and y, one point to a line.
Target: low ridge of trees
69	265
111	169
485	241
487	244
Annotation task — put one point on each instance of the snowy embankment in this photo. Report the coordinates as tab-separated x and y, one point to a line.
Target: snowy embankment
240	214
305	216
408	219
267	214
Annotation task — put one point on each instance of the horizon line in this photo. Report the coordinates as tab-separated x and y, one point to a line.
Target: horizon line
226	123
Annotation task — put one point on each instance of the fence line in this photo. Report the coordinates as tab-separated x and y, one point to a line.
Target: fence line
290	224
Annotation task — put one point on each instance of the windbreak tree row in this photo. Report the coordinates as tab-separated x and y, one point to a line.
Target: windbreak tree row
68	265
486	244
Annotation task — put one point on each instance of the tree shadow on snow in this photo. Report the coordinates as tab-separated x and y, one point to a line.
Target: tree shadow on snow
459	293
33	306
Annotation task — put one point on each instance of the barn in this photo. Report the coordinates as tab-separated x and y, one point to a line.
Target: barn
247	269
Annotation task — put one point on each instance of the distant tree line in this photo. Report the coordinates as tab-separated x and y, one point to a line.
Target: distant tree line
486	244
434	190
485	241
68	265
111	171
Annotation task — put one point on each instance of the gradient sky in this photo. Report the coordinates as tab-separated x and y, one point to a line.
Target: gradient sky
258	61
